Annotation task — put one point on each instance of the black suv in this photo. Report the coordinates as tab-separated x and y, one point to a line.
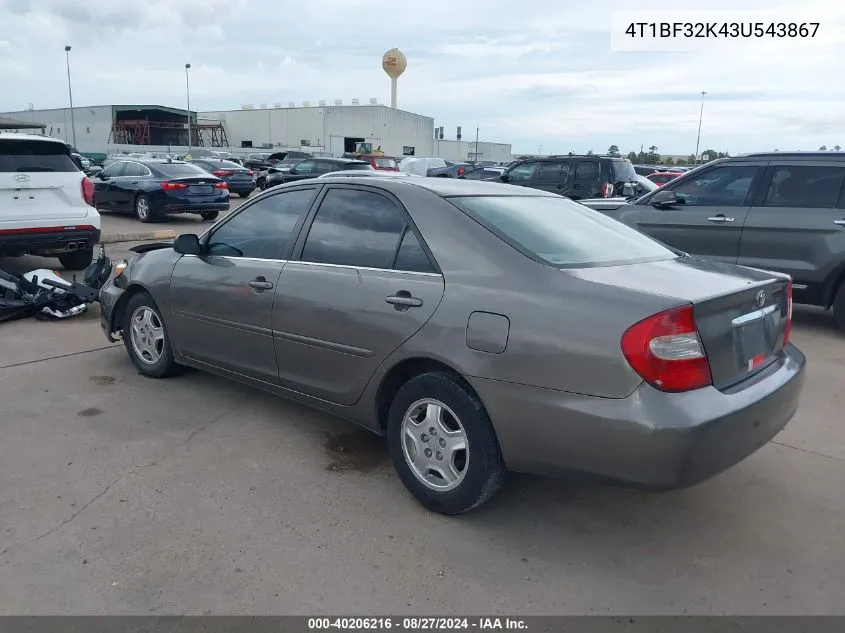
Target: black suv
576	177
313	167
778	211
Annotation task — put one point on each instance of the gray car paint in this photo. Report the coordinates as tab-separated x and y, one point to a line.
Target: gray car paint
805	243
561	395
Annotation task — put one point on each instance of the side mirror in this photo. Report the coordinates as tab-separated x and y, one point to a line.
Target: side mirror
187	244
664	200
102	176
504	177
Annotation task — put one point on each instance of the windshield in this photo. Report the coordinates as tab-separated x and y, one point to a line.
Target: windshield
560	232
623	170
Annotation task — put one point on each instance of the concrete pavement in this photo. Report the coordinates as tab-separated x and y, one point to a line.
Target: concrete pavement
126	495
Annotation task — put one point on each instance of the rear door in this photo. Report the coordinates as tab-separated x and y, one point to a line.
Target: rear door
794	227
39	181
363	285
585	179
713	209
552	176
126	185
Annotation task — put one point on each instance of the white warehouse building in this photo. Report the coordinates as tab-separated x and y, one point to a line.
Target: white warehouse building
323	130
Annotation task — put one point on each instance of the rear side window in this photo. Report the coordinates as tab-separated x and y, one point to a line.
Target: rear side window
622	171
586	170
804	186
553	171
35	156
355	228
411	256
725	186
180	170
560	232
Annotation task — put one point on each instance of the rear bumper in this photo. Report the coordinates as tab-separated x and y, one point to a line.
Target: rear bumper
48	240
194	207
650	439
241	188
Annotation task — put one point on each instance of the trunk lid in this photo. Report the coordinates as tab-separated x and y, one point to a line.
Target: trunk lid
741	313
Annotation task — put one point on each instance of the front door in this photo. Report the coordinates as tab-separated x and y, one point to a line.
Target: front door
104	185
221	302
363	286
709	219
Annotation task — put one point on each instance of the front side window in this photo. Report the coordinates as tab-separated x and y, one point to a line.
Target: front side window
522	172
804	186
354	228
114	170
305	167
264	229
560	232
726	186
135	170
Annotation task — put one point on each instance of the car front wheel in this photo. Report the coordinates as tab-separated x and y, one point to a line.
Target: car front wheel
145	338
443	445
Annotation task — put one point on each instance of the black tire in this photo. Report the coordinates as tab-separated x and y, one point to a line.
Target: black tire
144	209
485	468
165	366
77	260
209	215
839	308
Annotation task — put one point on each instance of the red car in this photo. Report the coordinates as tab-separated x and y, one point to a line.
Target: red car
381	163
660	178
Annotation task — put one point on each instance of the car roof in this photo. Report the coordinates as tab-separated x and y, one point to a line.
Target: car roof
837	156
12	136
345	161
450	187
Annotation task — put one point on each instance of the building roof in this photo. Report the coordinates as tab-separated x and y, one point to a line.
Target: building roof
16	124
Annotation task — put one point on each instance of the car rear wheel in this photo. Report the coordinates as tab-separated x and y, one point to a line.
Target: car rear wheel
146	339
143	209
443	445
839	308
77	260
209	215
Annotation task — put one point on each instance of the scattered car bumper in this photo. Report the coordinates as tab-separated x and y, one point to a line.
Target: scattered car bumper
49	240
650	439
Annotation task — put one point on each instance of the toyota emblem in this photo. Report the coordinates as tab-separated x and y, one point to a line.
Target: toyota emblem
760	299
21	178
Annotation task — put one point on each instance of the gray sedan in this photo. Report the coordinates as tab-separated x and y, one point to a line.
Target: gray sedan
482	327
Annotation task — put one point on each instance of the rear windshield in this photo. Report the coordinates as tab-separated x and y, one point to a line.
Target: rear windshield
32	156
358	166
560	232
623	171
179	170
386	163
225	164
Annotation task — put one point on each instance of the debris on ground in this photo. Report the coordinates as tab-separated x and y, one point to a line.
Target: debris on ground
47	296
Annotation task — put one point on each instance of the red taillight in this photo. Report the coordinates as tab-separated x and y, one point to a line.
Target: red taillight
220	173
250	174
88	191
666	352
171	186
221	185
606	190
460	171
787	330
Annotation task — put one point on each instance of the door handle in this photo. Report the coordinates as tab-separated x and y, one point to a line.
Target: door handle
260	284
403	300
839	222
719	218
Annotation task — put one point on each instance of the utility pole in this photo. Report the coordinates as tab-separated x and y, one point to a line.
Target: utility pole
476	145
700	117
188	94
70	97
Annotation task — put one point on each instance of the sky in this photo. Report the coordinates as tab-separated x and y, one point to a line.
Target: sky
546	76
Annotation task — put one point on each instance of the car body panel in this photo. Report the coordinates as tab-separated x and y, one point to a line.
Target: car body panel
559	392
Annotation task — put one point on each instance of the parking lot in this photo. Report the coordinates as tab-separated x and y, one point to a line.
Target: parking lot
120	494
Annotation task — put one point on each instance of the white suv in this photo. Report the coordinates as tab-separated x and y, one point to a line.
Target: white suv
46	202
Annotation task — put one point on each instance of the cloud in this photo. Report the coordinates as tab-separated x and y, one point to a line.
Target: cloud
542	72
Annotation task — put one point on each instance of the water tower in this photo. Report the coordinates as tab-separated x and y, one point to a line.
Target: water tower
394	64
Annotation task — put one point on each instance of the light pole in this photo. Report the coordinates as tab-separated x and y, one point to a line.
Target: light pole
188	94
700	117
70	96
